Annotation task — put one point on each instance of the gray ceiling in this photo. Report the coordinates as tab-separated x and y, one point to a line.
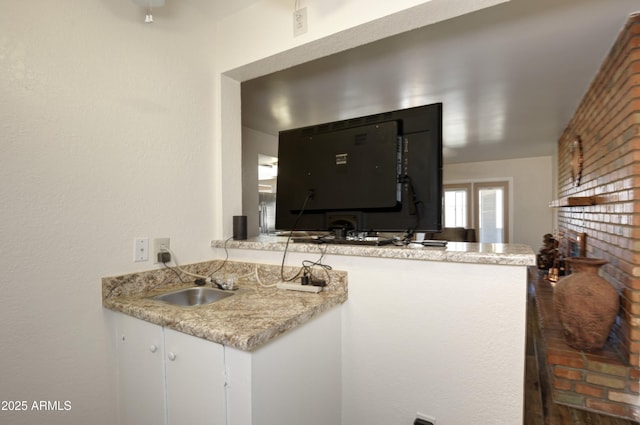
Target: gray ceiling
510	77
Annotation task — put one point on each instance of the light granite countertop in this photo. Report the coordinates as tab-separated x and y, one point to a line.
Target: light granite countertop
457	252
250	318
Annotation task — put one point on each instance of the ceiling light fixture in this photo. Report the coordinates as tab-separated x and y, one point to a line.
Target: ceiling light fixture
149	4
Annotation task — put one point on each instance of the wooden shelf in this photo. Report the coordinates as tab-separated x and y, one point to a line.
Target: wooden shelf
573	201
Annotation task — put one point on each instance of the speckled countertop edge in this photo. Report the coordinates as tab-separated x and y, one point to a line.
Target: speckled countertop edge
456	252
249	319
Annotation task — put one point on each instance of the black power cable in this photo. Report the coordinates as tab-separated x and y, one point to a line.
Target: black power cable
414	203
295	223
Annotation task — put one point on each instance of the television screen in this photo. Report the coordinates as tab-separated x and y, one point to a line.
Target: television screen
379	173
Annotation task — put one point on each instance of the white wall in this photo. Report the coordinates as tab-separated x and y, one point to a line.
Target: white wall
259	40
105	134
444	339
532	189
112	129
253	143
263	33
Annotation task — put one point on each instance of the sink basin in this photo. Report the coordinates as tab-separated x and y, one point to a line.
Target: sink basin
190	297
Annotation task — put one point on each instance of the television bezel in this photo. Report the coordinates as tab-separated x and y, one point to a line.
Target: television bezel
420	137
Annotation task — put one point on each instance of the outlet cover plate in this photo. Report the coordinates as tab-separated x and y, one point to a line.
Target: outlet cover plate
427	418
157	243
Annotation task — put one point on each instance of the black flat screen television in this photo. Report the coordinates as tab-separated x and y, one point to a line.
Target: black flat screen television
378	173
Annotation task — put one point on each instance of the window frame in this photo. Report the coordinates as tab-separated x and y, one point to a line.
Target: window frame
468	187
504	185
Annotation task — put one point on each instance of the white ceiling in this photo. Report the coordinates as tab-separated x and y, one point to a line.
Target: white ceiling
510	77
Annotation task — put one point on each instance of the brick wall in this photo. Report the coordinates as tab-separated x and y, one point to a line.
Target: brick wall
601	381
608	123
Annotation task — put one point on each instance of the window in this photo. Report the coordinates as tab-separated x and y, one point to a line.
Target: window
479	205
491	211
456	205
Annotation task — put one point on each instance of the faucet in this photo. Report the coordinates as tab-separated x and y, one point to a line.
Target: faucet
228	282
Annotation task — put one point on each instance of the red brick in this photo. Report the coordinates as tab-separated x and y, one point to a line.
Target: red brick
607	407
562	384
563	372
590	390
571	358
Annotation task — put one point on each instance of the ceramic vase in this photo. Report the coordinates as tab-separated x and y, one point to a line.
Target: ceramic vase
586	304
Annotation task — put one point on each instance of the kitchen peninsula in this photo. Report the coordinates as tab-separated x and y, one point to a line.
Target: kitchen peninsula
259	355
439	331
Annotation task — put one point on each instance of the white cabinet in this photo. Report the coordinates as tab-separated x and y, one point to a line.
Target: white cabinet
195	380
167	377
141	383
294	379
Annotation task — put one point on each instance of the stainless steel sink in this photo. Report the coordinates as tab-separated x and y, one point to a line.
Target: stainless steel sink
190	297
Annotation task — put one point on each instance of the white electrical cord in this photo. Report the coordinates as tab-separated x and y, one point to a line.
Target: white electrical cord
175	261
209	279
264	285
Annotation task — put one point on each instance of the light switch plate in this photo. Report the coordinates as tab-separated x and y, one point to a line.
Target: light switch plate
141	249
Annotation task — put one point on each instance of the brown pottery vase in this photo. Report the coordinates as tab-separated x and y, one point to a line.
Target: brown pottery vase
586	304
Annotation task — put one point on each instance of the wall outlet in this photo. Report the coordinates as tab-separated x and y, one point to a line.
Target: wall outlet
427	418
141	249
299	21
158	243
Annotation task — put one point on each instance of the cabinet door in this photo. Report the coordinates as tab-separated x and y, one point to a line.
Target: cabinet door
195	380
140	372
